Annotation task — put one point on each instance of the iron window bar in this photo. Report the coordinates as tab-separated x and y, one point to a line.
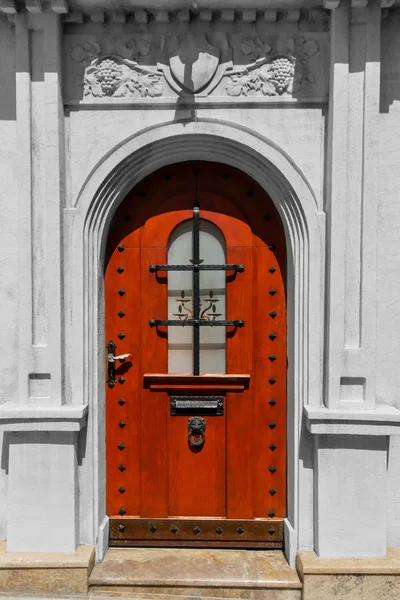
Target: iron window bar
196	267
199	267
195	323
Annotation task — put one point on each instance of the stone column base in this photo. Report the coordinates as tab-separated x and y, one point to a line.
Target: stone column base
350	578
45	572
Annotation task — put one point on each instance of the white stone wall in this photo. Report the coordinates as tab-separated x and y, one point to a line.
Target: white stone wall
8	238
388	275
338	165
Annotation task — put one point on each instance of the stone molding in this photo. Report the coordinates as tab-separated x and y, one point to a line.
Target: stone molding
86	226
308	563
42	418
162	15
383	420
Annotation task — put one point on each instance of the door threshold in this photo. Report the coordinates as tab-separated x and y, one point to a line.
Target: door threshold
145	572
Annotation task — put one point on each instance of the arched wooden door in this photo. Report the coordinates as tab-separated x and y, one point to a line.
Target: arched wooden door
196	410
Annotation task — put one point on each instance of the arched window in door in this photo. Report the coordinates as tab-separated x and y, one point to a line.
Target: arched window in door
212	293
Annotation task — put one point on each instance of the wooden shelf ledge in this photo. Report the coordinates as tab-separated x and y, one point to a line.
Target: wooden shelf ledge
186	381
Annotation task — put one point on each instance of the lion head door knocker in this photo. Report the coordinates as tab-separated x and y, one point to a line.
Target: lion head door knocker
196	433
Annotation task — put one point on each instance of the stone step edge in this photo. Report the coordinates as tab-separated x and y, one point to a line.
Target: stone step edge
104	585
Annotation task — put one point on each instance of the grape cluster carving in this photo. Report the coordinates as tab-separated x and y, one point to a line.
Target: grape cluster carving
274	70
281	72
109	75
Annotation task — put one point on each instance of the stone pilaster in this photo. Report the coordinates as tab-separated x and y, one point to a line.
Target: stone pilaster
351	205
40	146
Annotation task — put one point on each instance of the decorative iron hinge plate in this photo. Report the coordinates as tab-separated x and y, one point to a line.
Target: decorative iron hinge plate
254	533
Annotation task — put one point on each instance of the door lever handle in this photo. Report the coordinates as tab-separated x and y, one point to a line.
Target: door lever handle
111	358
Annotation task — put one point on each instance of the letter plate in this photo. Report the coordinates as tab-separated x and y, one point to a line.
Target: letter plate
197	405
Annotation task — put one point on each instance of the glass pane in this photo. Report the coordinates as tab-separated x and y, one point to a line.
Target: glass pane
180	339
212	300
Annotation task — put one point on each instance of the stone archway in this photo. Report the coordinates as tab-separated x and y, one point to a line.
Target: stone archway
86	228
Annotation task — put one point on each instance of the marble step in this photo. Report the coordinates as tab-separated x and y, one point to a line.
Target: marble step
179	573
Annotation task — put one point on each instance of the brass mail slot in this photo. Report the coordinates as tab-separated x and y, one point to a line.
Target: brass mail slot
197	405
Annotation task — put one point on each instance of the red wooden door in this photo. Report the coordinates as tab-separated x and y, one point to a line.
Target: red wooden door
196	459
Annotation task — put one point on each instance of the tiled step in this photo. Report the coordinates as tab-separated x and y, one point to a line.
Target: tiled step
178	573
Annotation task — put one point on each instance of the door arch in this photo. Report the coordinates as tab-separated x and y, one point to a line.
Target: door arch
254	448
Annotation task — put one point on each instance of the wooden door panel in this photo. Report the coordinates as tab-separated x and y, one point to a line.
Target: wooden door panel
123	400
158	489
239	406
157	230
269	312
197	482
154	404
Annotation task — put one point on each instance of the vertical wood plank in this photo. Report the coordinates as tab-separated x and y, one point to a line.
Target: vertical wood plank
269	380
123	401
154	404
196	480
239	416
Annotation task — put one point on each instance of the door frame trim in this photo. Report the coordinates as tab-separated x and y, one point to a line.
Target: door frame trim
85	234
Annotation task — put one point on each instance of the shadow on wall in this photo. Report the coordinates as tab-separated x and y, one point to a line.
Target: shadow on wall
7	71
390	60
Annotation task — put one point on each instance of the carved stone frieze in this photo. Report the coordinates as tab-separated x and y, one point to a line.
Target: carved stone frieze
205	64
117	75
278	71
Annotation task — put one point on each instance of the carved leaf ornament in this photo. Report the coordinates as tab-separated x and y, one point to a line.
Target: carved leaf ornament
117	74
277	74
112	69
118	77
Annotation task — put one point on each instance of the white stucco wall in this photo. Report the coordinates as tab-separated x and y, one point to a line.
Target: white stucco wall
388	275
349	163
8	238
